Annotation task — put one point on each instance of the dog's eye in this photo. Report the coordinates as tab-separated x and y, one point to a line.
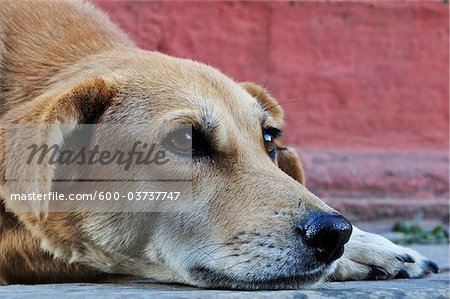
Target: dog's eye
269	142
269	136
187	141
180	141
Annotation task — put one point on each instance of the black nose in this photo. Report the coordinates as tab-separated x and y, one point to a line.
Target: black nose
326	233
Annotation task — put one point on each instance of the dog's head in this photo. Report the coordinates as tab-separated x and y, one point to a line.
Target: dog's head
251	224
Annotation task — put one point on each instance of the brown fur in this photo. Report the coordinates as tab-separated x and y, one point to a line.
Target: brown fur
65	63
26	72
19	248
32	90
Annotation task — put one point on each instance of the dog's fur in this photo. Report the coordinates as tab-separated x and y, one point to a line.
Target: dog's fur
64	63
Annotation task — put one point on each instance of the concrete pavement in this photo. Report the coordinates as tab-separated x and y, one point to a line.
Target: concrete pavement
433	286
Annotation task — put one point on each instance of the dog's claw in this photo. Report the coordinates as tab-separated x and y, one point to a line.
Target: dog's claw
402	274
377	273
432	266
406	258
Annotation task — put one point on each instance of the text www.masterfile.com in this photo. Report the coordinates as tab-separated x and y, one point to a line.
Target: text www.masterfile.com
97	195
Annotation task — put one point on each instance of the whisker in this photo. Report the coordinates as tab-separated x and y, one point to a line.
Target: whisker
237	264
226	256
267	81
128	258
218	248
197	249
283	103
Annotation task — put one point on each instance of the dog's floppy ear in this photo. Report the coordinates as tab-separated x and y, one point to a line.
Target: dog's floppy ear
266	100
51	117
290	163
288	160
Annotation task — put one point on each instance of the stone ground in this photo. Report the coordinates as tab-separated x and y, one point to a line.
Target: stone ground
433	286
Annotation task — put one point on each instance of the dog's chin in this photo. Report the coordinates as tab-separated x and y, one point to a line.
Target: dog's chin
209	278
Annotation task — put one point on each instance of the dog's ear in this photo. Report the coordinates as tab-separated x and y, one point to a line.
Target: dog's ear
83	103
290	163
266	100
54	116
288	160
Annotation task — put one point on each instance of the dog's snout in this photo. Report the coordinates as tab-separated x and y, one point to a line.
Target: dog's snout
326	233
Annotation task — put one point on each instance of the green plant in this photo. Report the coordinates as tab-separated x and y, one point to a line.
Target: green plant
411	231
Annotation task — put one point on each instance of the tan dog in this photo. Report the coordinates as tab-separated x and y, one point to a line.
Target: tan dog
254	224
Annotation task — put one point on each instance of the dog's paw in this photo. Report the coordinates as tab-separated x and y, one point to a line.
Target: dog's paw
371	256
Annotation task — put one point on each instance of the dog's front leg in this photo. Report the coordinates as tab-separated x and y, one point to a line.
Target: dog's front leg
371	256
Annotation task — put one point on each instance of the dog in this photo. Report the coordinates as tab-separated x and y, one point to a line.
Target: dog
253	224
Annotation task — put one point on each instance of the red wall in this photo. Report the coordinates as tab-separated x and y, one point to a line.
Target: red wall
365	86
351	74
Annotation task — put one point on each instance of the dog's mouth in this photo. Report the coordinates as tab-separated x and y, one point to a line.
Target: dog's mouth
210	278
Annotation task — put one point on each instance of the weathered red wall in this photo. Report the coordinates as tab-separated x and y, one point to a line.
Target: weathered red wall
351	74
365	86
